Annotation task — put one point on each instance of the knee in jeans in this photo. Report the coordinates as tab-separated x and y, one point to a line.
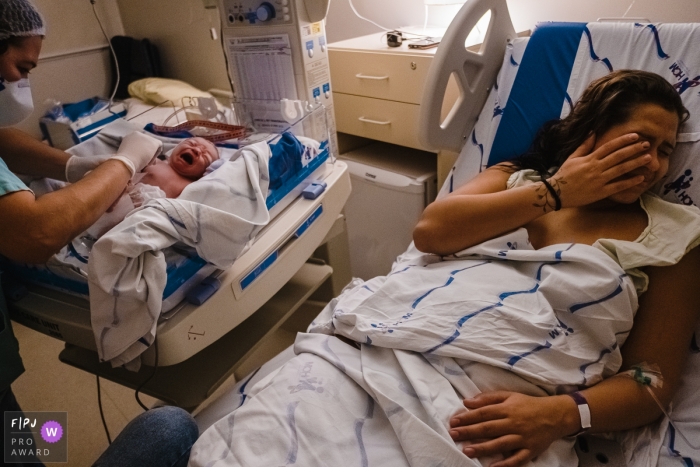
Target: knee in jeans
176	422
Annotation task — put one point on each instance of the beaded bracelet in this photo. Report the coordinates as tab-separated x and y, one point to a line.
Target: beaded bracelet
553	192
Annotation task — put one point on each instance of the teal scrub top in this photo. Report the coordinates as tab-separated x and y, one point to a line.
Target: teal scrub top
10	361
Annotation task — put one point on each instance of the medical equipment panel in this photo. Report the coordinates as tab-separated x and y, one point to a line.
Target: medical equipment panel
277	50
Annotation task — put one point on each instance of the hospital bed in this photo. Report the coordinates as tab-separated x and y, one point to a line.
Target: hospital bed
509	87
202	340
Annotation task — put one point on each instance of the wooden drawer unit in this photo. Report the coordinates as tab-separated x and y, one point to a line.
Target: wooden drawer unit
383	76
377	89
388	121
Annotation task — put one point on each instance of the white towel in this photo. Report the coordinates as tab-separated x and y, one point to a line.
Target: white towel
217	215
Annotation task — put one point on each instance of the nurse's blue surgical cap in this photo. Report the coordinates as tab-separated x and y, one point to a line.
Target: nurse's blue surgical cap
20	18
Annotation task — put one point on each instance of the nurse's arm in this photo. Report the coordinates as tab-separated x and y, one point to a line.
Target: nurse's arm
28	156
34	229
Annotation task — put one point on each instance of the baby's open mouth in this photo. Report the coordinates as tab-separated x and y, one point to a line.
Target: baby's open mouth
187	157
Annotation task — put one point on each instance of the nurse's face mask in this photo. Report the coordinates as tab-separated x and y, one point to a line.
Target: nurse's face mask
15	101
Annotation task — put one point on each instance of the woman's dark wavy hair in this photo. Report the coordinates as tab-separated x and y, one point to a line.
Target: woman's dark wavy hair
607	102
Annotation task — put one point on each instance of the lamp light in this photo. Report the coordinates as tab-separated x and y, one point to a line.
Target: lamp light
443	2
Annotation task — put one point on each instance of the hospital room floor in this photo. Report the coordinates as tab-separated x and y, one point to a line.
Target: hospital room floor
50	385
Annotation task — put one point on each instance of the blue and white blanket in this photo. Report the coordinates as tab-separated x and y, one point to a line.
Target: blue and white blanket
218	216
500	315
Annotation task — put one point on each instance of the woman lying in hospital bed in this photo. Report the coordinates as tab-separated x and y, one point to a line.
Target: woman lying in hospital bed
536	289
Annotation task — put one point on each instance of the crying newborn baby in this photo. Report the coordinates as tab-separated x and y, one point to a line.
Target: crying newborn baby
187	162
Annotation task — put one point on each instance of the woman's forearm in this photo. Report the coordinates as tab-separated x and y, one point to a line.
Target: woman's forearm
85	201
460	221
523	426
616	404
621	403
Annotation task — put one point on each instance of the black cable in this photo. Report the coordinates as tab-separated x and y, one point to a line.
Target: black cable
102	415
155	369
114	56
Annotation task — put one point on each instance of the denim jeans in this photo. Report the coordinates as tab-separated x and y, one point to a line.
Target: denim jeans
160	437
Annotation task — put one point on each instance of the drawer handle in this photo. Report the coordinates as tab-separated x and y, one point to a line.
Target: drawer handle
376	78
376	122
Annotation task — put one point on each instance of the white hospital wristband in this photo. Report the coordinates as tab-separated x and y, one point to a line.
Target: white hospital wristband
583	410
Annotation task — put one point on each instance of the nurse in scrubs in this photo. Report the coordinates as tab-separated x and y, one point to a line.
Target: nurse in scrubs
32	229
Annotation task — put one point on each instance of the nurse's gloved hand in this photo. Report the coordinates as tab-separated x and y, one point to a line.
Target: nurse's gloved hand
77	167
137	150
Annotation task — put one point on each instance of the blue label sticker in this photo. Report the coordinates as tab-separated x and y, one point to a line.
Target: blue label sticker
309	45
310	220
326	87
317	92
255	273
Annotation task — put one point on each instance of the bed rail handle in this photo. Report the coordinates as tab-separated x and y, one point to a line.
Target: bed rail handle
475	73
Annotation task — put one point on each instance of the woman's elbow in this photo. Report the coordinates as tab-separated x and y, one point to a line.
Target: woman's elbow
427	239
422	237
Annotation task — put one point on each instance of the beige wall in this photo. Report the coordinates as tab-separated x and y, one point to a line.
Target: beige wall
71	25
182	31
343	24
74	63
526	13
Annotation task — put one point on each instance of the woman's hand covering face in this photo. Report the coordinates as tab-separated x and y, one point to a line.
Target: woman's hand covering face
192	157
622	163
590	175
